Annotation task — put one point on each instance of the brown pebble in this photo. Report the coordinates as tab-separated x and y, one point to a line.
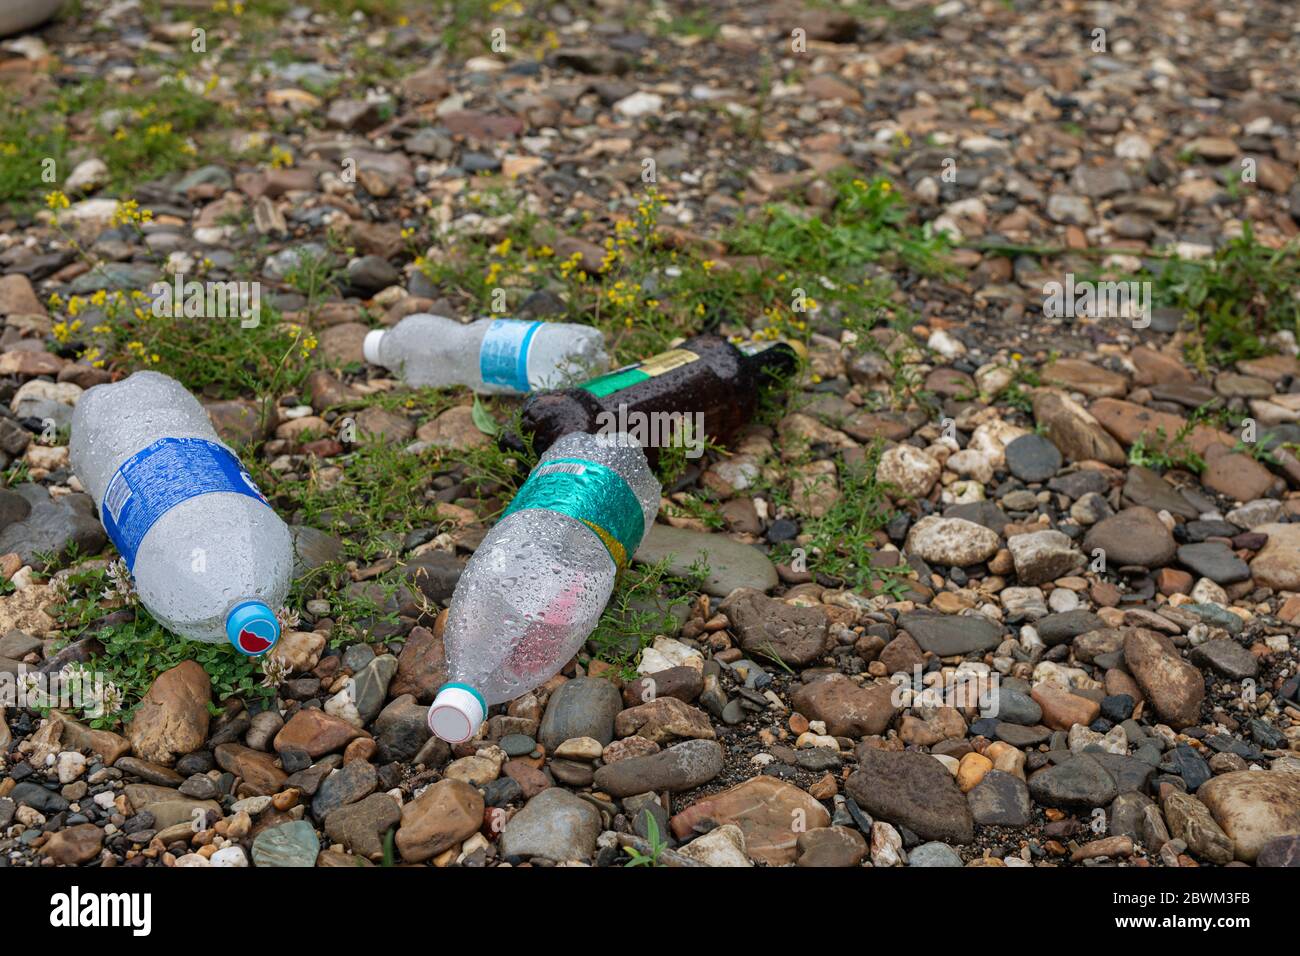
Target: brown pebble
1105	594
1002	563
825	788
363	748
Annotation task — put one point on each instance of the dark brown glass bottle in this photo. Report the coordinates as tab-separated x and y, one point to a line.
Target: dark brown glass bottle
705	376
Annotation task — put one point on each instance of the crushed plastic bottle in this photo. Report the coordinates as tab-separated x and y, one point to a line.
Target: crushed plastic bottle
210	559
492	356
537	585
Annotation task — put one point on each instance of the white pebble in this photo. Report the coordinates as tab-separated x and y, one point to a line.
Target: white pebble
230	856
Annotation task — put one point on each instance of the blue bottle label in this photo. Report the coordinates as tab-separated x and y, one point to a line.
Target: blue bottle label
503	357
161	476
591	493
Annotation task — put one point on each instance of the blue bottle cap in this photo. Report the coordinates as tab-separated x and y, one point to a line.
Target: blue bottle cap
252	628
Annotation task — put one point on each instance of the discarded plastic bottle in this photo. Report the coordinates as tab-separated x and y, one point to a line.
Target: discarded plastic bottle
210	559
537	585
493	356
705	376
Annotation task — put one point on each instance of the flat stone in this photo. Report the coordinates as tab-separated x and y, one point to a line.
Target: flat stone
1190	765
1086	377
1099	182
313	549
378	424
1129	773
1129	423
17	297
1214	560
731	564
848	709
913	790
554	825
1272	368
17	644
149	772
54	526
683	682
1016	707
287	845
1000	799
1174	687
770	628
1073	430
362	827
316	732
764	809
1144	487
1237	477
454	429
1227	657
352	782
1066	626
74	845
681	767
951	635
831	847
1079	783
1063	710
369	687
1135	536
1127	812
258	769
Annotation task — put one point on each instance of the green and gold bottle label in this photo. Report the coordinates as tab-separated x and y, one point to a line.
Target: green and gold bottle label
628	375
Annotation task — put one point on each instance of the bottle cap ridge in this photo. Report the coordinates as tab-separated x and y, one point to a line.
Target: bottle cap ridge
456	713
370	345
252	628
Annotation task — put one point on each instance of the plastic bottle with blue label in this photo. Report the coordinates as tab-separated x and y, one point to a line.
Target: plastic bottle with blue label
536	587
211	560
491	356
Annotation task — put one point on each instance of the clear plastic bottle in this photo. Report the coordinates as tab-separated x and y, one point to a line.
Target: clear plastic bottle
537	585
492	356
210	559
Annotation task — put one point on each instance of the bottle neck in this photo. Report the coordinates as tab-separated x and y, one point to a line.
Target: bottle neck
777	358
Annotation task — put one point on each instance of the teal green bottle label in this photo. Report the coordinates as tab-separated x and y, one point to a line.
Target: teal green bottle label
587	492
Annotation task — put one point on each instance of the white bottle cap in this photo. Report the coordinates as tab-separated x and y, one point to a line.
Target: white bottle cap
370	347
457	713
